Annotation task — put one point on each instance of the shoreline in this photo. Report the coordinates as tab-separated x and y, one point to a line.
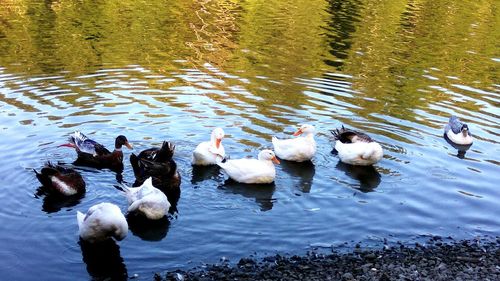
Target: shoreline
472	259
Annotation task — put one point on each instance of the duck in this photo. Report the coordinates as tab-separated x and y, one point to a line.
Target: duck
101	222
60	180
158	163
93	154
298	149
251	171
356	148
147	200
207	153
458	132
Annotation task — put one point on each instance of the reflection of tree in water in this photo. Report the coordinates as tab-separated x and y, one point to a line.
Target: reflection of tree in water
369	178
215	30
53	202
262	193
461	149
344	17
103	260
149	230
302	171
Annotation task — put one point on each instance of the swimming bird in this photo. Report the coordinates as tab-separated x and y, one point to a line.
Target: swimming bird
147	200
206	153
247	170
457	131
298	149
61	180
356	148
158	163
93	154
102	221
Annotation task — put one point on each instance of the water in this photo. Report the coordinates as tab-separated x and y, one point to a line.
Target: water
157	70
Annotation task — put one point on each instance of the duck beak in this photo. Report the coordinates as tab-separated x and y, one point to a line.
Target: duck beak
67	145
275	160
128	145
299	132
217	142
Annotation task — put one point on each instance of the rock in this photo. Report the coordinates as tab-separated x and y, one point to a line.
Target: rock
461	260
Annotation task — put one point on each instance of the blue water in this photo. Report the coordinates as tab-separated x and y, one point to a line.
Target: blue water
419	188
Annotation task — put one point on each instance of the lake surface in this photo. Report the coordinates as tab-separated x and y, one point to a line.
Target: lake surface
174	70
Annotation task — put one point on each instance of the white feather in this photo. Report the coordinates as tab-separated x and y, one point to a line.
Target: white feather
207	153
359	153
148	200
101	222
298	149
251	170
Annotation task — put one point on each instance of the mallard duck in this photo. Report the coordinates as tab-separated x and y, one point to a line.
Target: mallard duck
458	132
93	154
158	164
207	153
298	149
356	148
147	200
246	170
102	221
61	180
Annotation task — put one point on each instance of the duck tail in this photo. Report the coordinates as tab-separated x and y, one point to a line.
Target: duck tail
337	133
165	153
274	140
80	217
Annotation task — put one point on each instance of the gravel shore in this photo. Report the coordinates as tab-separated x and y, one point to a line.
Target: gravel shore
476	259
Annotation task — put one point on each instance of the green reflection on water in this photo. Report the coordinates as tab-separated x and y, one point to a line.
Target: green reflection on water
394	50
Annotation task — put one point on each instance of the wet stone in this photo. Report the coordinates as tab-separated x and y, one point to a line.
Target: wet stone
461	260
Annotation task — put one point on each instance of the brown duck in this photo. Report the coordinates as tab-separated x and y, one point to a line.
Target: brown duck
94	154
61	180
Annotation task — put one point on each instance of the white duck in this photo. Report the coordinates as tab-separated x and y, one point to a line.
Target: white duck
298	149
356	148
206	153
248	170
457	131
102	221
147	200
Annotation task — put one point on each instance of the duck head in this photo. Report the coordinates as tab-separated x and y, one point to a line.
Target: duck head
217	136
465	130
120	141
305	129
268	154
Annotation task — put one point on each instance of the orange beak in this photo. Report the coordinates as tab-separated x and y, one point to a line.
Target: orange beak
275	160
128	145
217	142
299	132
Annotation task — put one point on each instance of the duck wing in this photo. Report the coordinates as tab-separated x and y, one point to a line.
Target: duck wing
455	124
350	136
83	143
165	153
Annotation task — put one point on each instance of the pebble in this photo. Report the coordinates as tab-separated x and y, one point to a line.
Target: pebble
460	260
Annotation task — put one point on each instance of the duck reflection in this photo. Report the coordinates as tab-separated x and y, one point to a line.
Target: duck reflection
369	178
201	173
303	171
262	193
53	202
461	149
103	260
148	230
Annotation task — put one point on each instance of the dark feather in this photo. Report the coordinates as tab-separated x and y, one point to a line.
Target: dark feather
104	159
67	175
158	164
348	136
